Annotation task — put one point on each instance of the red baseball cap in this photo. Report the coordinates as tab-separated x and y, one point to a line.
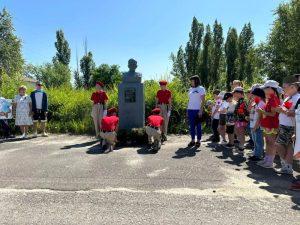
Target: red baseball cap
112	111
100	83
156	111
163	83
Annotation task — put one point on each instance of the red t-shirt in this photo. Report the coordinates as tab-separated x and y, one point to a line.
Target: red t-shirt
271	122
109	123
99	97
164	96
155	121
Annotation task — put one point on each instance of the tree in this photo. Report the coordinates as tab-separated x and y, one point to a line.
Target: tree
11	61
217	52
87	67
51	74
179	68
193	47
109	75
245	46
281	53
206	57
63	53
231	52
77	79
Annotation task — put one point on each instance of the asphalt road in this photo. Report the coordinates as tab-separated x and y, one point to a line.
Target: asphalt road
66	180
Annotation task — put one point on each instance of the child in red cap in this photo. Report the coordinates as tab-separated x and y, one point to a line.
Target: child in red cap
154	129
99	99
164	102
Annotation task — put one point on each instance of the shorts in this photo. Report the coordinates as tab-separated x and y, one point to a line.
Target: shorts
39	115
285	135
222	120
230	129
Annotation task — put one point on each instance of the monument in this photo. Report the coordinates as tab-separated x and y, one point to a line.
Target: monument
131	99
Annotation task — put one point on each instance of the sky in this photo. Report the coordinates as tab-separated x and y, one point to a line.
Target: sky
116	30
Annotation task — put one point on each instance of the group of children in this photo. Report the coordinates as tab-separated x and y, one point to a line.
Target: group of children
266	112
106	121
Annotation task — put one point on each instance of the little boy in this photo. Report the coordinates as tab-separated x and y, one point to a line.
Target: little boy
216	116
109	128
154	129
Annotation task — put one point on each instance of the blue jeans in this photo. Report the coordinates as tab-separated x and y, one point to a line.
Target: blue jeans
258	139
193	115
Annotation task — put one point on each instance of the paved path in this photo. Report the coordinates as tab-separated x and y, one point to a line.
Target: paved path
65	180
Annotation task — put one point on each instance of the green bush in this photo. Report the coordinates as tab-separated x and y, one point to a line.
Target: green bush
70	109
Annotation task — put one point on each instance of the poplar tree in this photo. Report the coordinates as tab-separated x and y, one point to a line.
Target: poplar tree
231	53
206	57
87	67
63	51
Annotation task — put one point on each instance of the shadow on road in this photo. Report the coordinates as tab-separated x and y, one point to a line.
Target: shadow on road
81	145
186	152
276	184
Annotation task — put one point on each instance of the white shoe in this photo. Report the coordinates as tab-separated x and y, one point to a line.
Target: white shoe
35	135
23	136
284	170
45	134
267	165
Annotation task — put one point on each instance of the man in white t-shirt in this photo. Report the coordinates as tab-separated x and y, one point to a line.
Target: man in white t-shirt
215	115
195	110
287	124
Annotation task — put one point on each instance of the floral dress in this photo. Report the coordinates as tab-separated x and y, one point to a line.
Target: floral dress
241	113
22	110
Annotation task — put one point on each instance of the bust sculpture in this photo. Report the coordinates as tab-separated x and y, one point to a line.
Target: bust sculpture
131	76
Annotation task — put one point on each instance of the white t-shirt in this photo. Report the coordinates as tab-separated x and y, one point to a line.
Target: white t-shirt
39	100
223	106
287	120
195	97
254	113
216	107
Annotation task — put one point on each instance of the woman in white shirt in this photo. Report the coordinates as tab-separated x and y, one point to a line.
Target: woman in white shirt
22	104
195	110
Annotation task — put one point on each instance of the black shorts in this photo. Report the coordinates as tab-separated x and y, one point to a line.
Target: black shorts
222	120
39	115
230	129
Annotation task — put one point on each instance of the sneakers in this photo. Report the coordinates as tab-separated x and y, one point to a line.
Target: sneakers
45	134
24	136
191	144
267	165
35	134
261	162
198	144
285	170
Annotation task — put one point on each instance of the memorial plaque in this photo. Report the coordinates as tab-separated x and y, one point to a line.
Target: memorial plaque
130	95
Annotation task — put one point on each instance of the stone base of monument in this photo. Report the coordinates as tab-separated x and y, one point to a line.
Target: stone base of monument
131	105
132	137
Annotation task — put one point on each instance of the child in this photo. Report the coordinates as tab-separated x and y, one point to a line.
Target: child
222	119
99	99
255	119
215	115
228	97
284	143
109	128
4	110
270	121
240	113
154	129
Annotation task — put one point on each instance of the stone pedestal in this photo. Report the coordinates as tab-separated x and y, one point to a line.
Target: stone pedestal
131	103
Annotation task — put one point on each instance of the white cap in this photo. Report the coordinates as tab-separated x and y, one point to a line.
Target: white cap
271	84
238	89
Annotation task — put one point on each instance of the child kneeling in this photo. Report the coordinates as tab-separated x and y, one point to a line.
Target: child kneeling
154	129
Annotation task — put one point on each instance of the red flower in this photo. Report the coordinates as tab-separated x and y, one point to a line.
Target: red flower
257	100
288	105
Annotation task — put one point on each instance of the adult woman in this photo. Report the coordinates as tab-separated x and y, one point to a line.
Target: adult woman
22	105
270	122
195	109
